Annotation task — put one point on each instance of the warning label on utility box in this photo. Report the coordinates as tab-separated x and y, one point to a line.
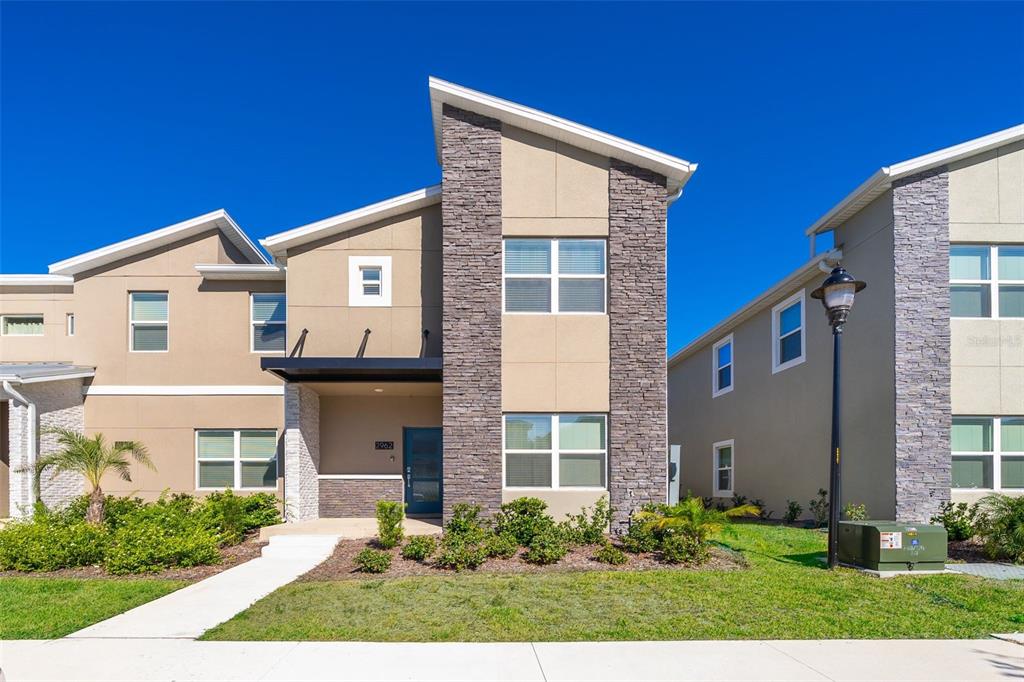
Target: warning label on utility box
891	540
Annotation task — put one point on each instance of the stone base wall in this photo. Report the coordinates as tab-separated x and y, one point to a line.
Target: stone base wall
922	361
638	424
346	497
301	453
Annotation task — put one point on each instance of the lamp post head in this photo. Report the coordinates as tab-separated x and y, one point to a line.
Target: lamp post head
836	293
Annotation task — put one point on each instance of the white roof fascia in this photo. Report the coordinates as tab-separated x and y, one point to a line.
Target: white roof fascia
36	281
769	297
157	238
676	170
34	373
882	179
233	271
278	244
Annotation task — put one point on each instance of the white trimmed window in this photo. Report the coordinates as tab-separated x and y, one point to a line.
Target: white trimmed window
21	325
988	453
369	281
267	323
722	465
721	367
70	324
788	333
566	276
555	451
986	281
149	321
240	459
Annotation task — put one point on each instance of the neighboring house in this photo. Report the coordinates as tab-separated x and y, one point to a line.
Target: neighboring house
500	334
933	354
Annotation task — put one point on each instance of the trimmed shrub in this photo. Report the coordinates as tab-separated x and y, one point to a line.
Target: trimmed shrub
389	523
502	546
819	508
610	554
222	512
43	544
683	548
419	547
960	520
639	539
547	547
459	552
261	509
589	526
465	523
855	512
160	536
523	518
793	511
373	561
1003	528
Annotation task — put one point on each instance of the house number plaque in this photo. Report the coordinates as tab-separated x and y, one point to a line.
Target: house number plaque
384	445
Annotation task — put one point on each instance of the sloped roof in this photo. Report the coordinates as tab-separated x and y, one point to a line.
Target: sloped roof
36	372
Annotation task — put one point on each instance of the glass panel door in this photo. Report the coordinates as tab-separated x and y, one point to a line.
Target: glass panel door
422	453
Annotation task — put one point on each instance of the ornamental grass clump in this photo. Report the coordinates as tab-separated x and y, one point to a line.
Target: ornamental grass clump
389	523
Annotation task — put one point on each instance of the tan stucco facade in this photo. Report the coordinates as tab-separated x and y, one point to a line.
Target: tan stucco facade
54	303
986	197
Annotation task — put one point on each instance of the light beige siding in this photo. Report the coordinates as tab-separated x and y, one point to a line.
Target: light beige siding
986	197
54	304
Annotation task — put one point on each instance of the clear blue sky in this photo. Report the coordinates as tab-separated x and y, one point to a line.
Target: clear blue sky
120	118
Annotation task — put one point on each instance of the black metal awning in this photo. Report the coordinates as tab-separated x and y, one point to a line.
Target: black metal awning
354	369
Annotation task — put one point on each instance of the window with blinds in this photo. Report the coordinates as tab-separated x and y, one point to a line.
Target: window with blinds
988	453
148	321
555	451
22	325
986	281
240	459
555	275
268	323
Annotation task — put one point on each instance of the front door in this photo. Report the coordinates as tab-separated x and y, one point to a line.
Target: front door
422	452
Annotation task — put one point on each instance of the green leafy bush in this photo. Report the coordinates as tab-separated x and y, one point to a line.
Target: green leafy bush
420	548
501	545
373	561
589	526
793	511
261	510
115	509
961	520
639	539
819	507
855	512
683	548
222	512
524	518
389	523
1003	528
547	547
460	551
46	544
162	535
610	554
465	523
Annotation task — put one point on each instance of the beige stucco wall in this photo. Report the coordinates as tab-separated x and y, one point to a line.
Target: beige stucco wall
349	425
53	303
166	425
318	290
986	197
561	502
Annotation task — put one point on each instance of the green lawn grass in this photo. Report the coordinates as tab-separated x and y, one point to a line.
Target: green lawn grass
46	608
785	594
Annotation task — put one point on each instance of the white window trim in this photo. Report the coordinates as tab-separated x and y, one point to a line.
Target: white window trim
715	390
69	324
554	452
253	323
776	313
996	454
715	468
554	276
993	283
3	324
236	460
148	323
356	298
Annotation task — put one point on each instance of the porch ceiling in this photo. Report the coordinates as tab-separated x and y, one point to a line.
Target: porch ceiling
377	389
377	370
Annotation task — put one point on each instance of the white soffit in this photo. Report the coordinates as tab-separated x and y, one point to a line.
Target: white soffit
678	171
36	281
278	244
233	271
167	235
882	179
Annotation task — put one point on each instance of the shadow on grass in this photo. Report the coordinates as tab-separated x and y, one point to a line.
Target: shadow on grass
808	559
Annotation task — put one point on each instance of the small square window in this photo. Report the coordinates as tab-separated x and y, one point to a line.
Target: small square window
369	281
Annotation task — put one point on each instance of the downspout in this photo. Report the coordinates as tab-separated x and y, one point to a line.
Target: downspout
668	455
675	195
32	445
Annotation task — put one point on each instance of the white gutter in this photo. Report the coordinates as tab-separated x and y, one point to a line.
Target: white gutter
32	444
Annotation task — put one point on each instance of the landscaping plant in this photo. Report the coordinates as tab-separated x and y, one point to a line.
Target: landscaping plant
590	525
682	548
961	520
640	538
547	547
460	552
610	554
819	508
49	543
1003	529
373	561
501	545
523	518
465	522
793	511
855	512
690	519
419	548
389	523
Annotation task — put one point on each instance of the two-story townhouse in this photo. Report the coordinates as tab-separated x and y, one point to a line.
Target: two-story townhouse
497	335
933	354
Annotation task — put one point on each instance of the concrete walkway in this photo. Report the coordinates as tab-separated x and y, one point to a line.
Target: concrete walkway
167	659
193	610
349	528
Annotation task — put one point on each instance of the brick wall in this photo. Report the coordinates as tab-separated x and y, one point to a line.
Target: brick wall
638	424
301	453
471	339
343	497
923	415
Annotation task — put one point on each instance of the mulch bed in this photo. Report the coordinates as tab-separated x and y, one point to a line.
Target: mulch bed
341	564
248	549
970	551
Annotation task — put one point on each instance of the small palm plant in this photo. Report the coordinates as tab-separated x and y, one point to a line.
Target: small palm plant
92	458
691	518
1003	527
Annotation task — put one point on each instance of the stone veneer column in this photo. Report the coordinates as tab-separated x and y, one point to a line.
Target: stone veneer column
638	424
301	453
923	415
471	338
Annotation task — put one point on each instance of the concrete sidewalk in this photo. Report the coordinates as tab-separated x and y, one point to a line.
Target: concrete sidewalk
98	660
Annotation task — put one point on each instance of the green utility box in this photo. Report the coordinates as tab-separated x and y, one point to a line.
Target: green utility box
892	546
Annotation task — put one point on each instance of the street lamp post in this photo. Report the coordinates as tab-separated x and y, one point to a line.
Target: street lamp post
836	293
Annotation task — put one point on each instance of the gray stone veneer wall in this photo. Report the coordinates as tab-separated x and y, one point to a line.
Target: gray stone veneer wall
301	453
344	497
471	338
923	418
638	424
